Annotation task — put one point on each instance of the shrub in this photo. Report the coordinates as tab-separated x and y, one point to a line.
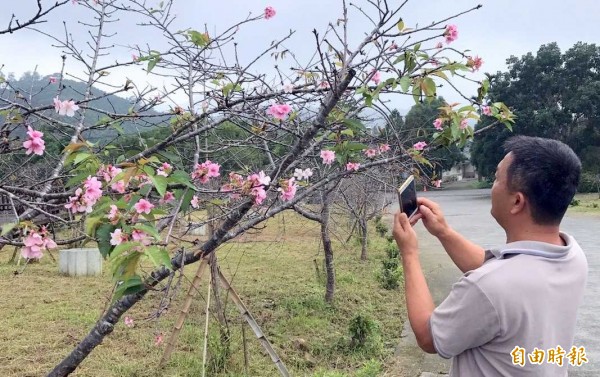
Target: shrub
362	328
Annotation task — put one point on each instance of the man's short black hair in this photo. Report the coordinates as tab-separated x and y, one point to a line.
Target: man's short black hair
547	172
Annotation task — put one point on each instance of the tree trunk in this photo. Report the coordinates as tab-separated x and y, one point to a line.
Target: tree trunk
329	268
363	238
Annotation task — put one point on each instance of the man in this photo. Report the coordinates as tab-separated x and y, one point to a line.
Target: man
518	299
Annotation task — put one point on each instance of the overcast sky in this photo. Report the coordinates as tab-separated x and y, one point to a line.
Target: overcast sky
495	32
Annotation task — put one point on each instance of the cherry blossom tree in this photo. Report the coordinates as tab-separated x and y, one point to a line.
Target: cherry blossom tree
305	125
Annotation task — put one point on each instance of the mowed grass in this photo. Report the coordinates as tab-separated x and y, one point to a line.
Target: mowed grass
44	315
586	203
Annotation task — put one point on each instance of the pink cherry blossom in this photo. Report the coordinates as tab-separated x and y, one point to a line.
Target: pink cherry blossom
269	12
52	80
420	145
143	206
259	194
116	237
451	33
168	197
279	111
36	243
370	153
34	144
119	186
384	148
67	108
128	321
464	124
288	189
203	172
158	339
57	104
165	169
300	174
134	57
393	46
288	88
477	63
439	45
259	179
195	202
352	166
113	214
108	172
93	189
486	110
376	78
141	237
328	157
438	124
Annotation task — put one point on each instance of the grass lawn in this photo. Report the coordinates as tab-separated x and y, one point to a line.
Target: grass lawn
586	203
43	315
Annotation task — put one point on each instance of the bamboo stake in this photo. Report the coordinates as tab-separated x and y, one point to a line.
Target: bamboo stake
183	314
206	328
257	330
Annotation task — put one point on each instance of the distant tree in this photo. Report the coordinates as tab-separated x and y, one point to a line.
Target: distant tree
418	126
554	95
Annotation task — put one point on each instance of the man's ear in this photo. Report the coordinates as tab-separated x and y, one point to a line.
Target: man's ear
518	204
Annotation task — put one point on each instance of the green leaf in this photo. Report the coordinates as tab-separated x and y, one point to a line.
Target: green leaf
405	82
133	284
148	229
103	236
466	108
179	176
347	132
185	204
400	25
80	157
430	87
355	125
159	256
417	47
355	147
91	223
197	38
416	92
160	183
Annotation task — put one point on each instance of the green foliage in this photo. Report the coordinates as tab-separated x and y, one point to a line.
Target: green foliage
553	95
362	328
418	126
589	183
390	275
574	202
372	368
380	227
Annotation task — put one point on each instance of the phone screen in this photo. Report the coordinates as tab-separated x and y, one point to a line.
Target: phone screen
408	199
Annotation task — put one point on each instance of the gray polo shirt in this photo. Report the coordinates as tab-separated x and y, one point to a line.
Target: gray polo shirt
526	294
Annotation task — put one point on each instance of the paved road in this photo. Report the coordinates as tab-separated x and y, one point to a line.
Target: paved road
468	211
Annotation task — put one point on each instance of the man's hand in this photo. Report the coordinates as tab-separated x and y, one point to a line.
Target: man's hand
404	234
432	216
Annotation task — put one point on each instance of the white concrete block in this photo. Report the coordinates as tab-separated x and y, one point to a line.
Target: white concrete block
80	262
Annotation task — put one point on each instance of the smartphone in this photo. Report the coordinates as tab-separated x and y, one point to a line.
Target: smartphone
407	196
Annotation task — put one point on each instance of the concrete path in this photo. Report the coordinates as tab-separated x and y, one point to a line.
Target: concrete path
468	211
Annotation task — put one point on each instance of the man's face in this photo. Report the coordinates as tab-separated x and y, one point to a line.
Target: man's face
501	195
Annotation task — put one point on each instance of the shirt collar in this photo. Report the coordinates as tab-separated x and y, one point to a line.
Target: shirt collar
536	248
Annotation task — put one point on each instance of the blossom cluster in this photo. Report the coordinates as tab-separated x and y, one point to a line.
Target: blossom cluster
85	198
34	143
36	243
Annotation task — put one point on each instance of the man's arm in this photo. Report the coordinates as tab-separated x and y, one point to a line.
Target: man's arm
464	253
419	303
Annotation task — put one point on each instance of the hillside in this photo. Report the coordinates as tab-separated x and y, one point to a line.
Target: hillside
38	91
